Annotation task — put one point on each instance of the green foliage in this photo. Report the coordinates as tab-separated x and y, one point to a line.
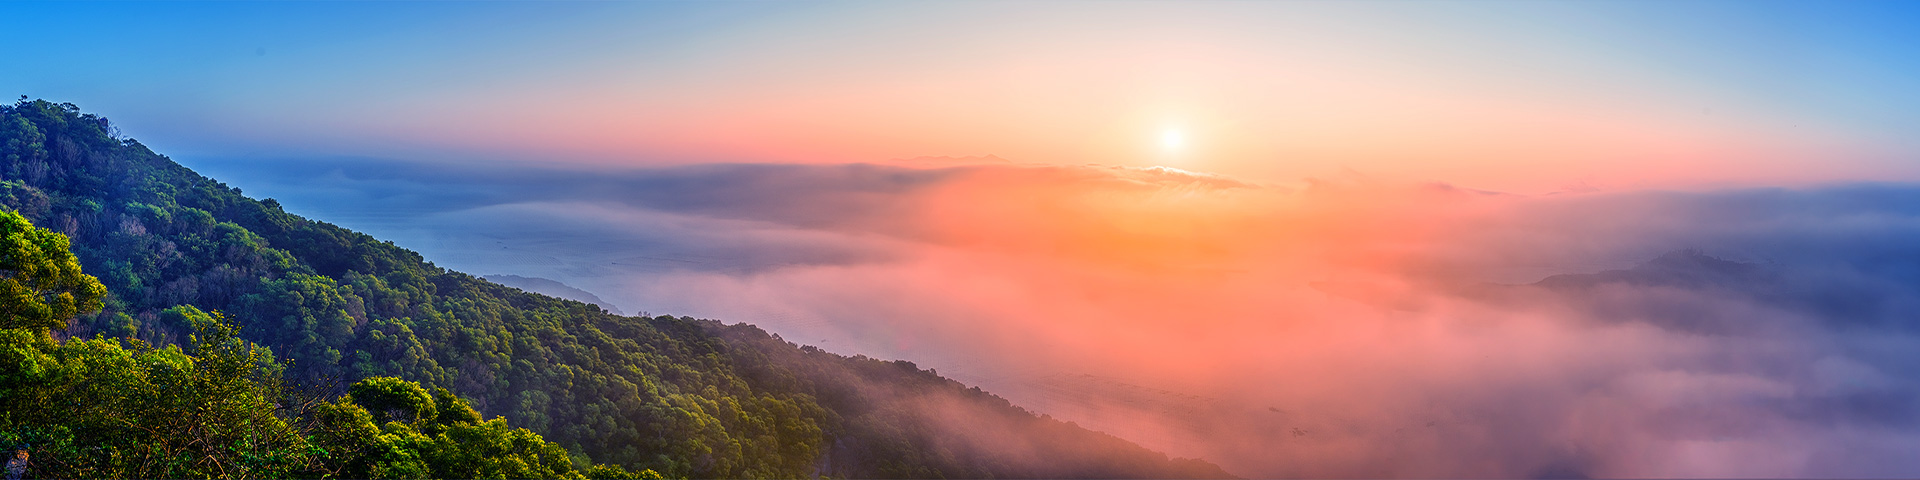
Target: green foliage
661	395
610	472
394	399
40	281
103	409
106	408
449	445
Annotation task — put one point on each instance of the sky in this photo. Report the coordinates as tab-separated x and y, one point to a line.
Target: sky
1297	239
1526	97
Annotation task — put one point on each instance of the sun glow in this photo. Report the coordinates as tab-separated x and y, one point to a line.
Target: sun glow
1172	140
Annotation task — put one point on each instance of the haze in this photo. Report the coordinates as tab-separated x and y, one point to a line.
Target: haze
1300	239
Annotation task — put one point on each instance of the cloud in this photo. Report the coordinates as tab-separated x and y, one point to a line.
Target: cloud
1328	329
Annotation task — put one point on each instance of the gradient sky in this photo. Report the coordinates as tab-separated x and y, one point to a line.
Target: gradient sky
1512	96
1396	239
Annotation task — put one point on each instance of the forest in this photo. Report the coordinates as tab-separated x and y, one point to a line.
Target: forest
225	337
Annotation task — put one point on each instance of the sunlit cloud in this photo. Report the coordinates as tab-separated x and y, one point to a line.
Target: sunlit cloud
1327	328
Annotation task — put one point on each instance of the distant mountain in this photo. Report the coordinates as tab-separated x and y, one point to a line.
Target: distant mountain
552	288
680	396
1683	268
1641	294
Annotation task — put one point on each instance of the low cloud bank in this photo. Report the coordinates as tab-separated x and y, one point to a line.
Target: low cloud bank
1327	329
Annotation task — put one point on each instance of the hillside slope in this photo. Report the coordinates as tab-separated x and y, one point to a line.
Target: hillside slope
681	396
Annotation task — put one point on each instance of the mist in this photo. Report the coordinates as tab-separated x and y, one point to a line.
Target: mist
1325	328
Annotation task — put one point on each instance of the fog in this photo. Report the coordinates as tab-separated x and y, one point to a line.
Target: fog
1323	328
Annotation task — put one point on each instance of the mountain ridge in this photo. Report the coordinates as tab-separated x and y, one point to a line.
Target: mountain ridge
552	288
681	396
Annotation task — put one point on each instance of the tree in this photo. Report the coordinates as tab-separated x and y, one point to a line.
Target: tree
393	399
41	285
215	405
107	408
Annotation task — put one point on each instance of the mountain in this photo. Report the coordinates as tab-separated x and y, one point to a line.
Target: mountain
552	288
683	397
1691	269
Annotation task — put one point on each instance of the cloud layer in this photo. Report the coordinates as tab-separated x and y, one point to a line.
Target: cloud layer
1327	329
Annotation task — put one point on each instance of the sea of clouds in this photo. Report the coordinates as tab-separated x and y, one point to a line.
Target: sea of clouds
1328	328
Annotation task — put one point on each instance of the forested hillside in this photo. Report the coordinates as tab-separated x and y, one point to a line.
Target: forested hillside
680	396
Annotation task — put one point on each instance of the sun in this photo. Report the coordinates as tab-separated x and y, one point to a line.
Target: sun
1172	140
